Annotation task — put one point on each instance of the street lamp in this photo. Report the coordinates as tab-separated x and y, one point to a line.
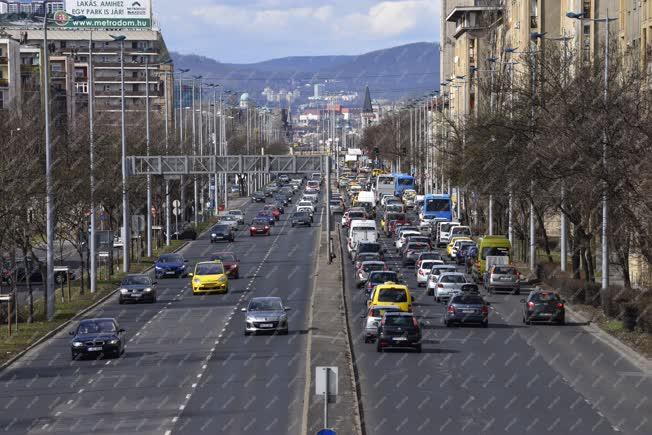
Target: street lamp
126	234
605	203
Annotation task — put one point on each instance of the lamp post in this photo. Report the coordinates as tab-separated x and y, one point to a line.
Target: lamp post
167	143
126	235
605	198
147	144
91	142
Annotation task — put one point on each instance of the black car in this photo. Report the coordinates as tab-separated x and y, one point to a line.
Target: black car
222	232
370	247
281	200
137	288
300	218
543	306
186	233
258	197
398	330
467	308
97	338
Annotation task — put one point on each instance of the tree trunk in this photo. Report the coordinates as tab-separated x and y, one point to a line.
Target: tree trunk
81	268
576	255
546	240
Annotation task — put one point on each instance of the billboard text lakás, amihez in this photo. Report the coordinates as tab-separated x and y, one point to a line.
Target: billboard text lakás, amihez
106	14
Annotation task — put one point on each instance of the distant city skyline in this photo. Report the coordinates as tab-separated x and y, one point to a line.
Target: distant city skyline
248	31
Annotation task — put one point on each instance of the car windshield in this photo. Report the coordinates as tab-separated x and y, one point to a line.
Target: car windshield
380	277
334	202
259	222
452	279
428	264
494	252
137	280
502	270
392	295
545	297
96	326
430	256
373	266
399	321
221	228
438	271
380	311
356	214
209	269
467	300
433	205
265	305
171	258
368	247
417	246
300	214
223	257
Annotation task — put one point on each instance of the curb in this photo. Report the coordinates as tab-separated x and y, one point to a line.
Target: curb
631	355
353	367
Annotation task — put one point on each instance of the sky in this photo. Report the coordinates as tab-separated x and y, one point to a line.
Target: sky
246	31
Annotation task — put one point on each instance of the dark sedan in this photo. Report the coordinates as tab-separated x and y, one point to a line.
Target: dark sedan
467	308
137	288
300	218
222	233
266	215
259	226
543	306
230	262
398	329
97	338
258	197
170	265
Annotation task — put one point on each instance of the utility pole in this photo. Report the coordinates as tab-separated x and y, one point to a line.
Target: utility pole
194	153
91	141
149	177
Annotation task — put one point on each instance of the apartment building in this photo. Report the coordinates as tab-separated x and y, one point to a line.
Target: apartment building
10	82
145	54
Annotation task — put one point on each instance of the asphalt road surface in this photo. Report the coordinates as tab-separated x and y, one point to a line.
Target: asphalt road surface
188	368
506	379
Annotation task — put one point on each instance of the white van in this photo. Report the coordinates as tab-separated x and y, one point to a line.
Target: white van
444	232
459	230
361	231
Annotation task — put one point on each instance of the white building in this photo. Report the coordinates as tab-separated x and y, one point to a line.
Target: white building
319	90
3	7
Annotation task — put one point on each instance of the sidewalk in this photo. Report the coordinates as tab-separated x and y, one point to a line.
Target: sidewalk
328	344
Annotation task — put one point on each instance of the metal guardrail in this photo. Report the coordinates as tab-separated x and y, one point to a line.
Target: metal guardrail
186	165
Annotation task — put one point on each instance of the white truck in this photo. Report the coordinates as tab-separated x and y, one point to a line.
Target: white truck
361	231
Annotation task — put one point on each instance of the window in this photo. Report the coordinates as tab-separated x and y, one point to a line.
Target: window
81	88
586	8
63	44
392	295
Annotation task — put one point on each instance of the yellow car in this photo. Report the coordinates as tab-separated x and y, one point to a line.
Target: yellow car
391	294
209	277
449	247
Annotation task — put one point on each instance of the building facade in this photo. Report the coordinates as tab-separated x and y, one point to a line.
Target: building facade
10	81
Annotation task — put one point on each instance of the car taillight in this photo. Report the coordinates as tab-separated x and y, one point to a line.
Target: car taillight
451	309
440	285
560	305
530	304
415	323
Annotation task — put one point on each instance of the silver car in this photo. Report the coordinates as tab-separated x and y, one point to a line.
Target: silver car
450	284
239	215
266	314
372	321
503	278
435	271
228	219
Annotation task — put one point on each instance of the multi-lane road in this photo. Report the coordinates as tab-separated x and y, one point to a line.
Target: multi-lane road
188	368
506	379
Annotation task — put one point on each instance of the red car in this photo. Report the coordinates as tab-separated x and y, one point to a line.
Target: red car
273	210
259	226
395	223
230	262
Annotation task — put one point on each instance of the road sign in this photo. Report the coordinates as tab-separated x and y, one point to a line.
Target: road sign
103	254
176	211
327	432
176	203
322	375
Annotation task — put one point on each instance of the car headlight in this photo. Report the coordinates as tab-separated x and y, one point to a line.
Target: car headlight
222	278
158	268
77	344
124	290
183	266
148	289
197	281
213	235
114	341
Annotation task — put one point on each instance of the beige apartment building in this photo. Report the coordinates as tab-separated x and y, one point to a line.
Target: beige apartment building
10	89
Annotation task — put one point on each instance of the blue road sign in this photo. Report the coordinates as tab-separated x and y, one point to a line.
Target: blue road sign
326	432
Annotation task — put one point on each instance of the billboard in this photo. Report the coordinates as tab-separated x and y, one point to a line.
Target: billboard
106	14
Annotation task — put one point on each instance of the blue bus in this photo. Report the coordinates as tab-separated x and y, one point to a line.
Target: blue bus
402	182
437	207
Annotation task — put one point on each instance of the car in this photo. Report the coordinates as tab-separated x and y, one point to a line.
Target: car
386	222
454	245
259	226
366	256
301	218
258	197
137	287
230	262
400	241
371	321
544	306
391	293
270	190
239	214
352	215
307	204
362	273
222	233
336	206
424	270
503	278
188	232
312	197
229	220
281	201
363	247
283	178
275	211
380	277
266	214
467	308
209	277
449	284
437	270
398	330
266	314
460	257
412	250
427	255
97	338
170	265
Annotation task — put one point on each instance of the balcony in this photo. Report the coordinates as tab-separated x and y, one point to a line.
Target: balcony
474	17
138	94
4	60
